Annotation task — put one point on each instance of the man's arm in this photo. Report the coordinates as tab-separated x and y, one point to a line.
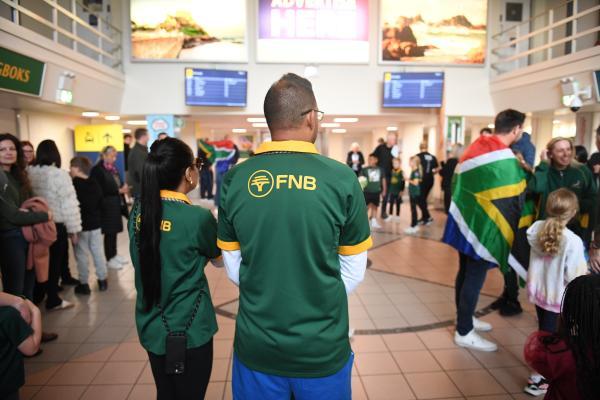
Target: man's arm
352	269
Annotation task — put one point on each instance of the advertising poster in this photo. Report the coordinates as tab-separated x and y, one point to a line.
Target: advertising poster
313	31
160	123
90	140
190	30
433	31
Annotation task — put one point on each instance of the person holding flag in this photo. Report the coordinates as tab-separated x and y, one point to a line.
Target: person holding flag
224	154
487	200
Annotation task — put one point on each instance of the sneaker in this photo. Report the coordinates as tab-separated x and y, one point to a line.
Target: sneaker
498	303
102	285
70	281
412	230
388	218
121	259
83	288
375	224
536	387
481	326
114	264
511	308
428	221
350	333
473	341
63	305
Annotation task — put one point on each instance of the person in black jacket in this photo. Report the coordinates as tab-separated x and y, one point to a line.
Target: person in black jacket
113	190
355	159
430	167
89	195
385	153
447	172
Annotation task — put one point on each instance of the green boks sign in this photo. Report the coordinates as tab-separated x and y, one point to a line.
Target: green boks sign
19	73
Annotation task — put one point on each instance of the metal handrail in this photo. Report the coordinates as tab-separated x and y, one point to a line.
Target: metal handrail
112	53
107	22
530	19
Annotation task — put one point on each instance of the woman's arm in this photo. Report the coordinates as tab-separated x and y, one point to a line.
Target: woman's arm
31	345
18	217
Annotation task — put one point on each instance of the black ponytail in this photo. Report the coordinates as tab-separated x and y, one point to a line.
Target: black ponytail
165	166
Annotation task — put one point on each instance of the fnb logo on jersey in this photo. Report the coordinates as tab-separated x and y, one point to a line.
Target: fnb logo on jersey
261	183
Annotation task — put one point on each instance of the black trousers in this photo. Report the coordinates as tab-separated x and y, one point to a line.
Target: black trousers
16	279
414	220
426	186
58	251
395	200
192	383
547	320
384	204
511	286
110	245
447	199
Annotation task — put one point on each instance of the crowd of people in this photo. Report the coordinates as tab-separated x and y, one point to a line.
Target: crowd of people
292	328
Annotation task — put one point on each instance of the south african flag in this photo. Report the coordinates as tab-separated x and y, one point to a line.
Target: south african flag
487	210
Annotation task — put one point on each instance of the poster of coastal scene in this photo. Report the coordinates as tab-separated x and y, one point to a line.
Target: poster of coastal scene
188	30
433	31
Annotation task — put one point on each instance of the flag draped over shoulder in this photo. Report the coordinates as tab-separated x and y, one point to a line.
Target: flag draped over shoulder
222	152
487	205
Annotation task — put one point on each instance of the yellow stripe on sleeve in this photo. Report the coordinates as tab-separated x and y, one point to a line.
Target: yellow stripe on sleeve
356	249
228	246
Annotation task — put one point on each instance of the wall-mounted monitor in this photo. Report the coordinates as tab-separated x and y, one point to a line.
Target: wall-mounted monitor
413	89
215	88
596	79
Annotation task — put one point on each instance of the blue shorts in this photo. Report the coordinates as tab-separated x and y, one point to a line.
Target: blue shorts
250	385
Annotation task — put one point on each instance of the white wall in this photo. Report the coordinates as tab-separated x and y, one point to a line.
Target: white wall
340	89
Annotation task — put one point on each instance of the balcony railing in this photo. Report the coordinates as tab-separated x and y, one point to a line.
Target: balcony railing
555	33
70	24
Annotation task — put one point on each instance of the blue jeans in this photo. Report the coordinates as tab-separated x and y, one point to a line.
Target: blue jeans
249	385
469	281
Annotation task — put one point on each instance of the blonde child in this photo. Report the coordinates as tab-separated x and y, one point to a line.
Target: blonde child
414	192
557	257
375	186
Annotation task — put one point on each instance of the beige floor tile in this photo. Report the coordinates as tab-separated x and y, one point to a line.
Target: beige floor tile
108	334
228	394
40	373
215	390
143	392
390	323
358	312
222	348
55	352
361	324
368	344
432	385
402	299
73	334
475	382
374	299
418	319
358	390
105	392
225	332
513	379
455	359
387	387
146	377
416	361
403	342
378	311
28	392
438	339
60	392
375	364
508	336
79	373
119	373
93	352
493	397
219	370
129	352
500	358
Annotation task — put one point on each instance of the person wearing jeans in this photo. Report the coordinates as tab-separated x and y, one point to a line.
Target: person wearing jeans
469	281
91	241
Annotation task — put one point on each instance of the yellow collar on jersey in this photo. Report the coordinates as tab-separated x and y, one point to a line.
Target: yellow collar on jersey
294	146
169	194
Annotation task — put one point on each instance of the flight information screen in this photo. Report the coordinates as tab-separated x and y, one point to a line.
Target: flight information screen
212	87
413	89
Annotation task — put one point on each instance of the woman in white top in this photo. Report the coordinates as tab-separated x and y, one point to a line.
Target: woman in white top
55	185
556	258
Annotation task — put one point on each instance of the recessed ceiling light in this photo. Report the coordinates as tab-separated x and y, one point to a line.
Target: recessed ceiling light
140	122
491	126
338	130
256	119
330	125
345	119
392	128
260	125
126	130
112	118
556	121
238	130
90	114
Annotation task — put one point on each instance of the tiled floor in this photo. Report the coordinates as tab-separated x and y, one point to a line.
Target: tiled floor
402	314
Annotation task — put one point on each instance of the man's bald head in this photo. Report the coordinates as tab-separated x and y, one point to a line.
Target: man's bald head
285	102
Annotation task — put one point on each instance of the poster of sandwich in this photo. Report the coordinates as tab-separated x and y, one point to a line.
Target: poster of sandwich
433	31
188	30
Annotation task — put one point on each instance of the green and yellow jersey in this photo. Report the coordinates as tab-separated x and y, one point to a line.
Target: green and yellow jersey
292	212
414	186
396	181
374	177
187	242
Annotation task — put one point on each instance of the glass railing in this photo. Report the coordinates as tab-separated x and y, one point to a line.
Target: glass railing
563	30
70	24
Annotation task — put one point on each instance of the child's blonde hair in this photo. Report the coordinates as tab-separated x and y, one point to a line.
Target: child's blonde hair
561	207
417	161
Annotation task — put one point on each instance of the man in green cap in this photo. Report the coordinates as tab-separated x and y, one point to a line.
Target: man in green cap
294	232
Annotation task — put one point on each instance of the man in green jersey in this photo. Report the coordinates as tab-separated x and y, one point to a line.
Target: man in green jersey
294	233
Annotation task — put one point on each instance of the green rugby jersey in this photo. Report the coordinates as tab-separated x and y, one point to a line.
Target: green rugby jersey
292	212
187	242
396	181
374	177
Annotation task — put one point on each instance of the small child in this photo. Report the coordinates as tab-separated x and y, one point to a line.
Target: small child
396	188
89	195
557	257
20	335
414	192
375	187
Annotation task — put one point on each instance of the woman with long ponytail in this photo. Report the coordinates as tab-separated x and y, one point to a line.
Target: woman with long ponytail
170	243
556	258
